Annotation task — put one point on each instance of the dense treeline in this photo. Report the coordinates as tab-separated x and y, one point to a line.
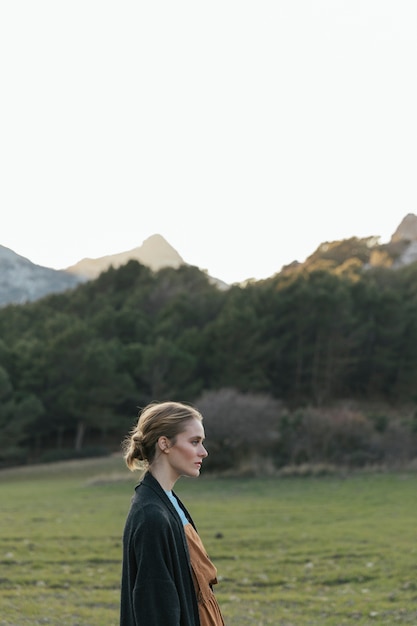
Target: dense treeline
74	367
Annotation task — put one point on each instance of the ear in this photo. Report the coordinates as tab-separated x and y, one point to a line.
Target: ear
163	444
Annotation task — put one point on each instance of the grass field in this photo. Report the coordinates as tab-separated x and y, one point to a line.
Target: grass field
289	552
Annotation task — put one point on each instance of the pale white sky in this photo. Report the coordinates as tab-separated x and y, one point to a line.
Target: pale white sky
245	132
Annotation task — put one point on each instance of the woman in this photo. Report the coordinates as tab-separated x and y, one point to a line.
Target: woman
167	576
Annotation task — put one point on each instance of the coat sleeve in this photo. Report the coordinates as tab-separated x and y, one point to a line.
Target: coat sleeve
155	596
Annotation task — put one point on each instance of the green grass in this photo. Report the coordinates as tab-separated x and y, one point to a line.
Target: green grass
289	552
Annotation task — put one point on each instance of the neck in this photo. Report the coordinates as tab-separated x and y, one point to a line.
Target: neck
160	474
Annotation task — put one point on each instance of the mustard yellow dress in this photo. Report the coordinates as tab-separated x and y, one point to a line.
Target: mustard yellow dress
204	576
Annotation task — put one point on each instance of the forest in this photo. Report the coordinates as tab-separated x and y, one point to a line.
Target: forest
315	365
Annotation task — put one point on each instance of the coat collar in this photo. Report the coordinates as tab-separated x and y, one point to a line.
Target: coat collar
150	481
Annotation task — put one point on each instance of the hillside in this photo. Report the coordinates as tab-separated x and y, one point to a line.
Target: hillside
367	252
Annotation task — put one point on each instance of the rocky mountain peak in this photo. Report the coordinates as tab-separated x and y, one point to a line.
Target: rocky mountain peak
407	230
155	252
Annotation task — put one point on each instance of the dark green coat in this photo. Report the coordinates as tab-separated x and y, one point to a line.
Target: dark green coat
157	585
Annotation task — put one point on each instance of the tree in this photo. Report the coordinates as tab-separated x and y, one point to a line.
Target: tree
17	412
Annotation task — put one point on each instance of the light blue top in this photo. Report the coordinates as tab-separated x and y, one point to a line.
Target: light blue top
177	507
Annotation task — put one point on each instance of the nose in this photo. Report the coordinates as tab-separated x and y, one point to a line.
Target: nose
203	452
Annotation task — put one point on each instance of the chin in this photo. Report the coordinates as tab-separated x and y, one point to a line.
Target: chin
193	474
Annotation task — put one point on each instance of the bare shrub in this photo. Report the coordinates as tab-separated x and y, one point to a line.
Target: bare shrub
338	435
252	433
241	428
399	443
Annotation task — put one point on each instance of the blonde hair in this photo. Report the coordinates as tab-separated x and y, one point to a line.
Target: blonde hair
158	419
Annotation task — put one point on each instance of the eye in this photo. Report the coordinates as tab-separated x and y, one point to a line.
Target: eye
195	442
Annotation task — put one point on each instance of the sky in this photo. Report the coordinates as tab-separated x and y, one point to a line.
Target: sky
245	132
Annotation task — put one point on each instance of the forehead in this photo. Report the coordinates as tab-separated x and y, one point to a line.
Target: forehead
193	428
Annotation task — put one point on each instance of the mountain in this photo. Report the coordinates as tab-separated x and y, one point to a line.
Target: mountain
155	252
365	253
22	281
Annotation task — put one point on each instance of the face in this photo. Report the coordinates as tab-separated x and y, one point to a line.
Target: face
186	455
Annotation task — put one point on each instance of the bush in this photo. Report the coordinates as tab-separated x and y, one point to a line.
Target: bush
341	436
240	428
252	434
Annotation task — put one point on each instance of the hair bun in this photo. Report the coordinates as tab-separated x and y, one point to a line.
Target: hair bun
138	451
